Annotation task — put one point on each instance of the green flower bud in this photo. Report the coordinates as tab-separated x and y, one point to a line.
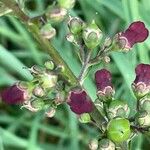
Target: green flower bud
36	70
118	130
70	38
92	35
75	25
85	118
67	4
38	104
48	80
47	31
49	65
38	91
93	144
50	112
118	109
144	104
56	14
108	42
143	119
106	144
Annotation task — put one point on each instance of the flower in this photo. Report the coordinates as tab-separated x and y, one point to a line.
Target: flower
141	84
103	82
79	102
136	33
15	94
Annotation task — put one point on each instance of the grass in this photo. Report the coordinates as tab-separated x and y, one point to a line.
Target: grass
22	130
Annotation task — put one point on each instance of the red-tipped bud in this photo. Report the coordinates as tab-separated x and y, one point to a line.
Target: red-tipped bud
141	84
104	86
15	94
79	102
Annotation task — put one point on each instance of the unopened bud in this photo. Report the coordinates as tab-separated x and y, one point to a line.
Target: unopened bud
106	144
75	25
108	42
106	59
118	109
143	119
92	35
85	118
93	144
118	130
50	112
48	80
56	14
67	4
36	70
49	65
38	104
47	31
144	103
38	91
70	38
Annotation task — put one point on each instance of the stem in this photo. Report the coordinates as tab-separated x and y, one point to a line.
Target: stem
45	45
84	68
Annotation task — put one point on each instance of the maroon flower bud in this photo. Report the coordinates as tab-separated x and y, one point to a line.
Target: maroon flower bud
103	82
141	84
15	94
79	102
136	33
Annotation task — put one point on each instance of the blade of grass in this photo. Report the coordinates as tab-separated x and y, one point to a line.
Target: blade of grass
12	63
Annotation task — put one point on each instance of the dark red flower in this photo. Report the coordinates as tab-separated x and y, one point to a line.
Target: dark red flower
103	82
141	84
136	33
79	102
14	95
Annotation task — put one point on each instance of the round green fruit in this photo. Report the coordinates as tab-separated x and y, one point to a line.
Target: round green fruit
118	130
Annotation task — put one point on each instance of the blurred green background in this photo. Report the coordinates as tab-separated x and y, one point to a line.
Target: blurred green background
23	130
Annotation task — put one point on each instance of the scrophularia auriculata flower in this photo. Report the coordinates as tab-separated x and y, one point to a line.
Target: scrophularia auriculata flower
103	83
141	84
79	102
136	33
15	94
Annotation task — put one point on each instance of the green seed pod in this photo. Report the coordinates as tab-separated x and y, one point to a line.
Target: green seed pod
67	4
75	25
144	104
93	144
47	31
118	130
106	144
92	35
118	109
85	118
143	119
38	104
49	65
56	14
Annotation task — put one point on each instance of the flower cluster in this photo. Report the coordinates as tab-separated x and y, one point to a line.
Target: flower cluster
42	93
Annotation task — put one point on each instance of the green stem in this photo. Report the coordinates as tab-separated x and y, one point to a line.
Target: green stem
84	68
45	45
